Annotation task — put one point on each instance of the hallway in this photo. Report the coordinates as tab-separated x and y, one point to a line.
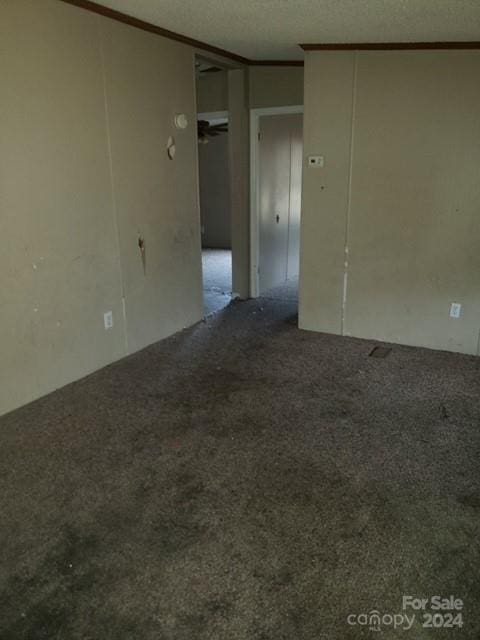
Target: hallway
217	279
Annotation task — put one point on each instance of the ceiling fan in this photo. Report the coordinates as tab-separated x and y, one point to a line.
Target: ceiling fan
207	130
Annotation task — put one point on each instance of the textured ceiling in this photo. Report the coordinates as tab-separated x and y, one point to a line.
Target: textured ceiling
272	29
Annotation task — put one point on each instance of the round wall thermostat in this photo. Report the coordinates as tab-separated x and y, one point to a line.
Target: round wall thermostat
181	121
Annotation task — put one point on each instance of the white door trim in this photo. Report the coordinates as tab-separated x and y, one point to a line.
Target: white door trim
255	115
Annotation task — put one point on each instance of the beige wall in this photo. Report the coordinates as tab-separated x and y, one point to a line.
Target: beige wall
212	92
275	86
391	225
155	197
239	156
215	192
268	87
83	171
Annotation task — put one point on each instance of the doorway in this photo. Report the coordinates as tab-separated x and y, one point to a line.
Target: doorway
215	219
214	185
276	161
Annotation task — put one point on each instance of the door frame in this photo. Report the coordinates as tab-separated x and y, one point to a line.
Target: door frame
255	115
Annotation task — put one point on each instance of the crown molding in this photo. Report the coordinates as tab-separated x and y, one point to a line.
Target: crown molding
94	7
119	16
276	63
388	46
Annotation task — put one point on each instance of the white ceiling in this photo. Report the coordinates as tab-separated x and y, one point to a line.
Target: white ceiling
272	29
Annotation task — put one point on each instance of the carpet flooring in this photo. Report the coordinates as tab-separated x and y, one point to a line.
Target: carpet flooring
244	480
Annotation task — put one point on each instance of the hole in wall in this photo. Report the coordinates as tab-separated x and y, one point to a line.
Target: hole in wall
171	149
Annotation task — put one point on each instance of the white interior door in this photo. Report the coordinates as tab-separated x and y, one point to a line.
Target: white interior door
280	171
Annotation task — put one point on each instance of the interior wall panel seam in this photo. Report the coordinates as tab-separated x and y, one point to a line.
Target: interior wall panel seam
349	196
112	183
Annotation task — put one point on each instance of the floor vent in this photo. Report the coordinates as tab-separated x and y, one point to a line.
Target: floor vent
379	352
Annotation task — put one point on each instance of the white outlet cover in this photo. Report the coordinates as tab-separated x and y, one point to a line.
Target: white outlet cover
455	310
108	320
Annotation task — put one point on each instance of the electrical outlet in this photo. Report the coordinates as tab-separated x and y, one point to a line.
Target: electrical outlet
108	320
316	161
455	310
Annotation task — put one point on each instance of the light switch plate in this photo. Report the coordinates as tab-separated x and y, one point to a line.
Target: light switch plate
108	320
455	310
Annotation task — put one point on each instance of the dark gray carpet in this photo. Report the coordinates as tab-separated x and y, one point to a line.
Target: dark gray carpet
243	480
